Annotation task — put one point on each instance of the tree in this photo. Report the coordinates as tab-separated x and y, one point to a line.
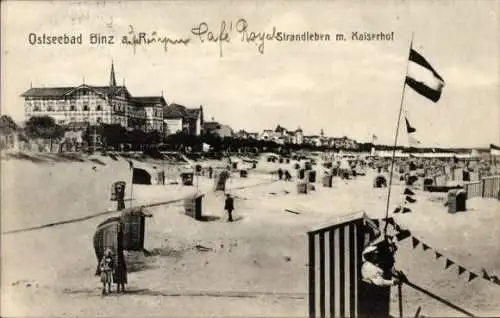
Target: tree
153	137
43	127
113	135
7	125
137	138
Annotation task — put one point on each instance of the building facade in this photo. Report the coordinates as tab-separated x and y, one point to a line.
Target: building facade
178	118
282	135
90	104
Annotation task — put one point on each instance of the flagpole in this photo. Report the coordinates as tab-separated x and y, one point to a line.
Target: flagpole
132	186
396	139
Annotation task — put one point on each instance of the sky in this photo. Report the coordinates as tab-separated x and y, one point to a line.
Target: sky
347	88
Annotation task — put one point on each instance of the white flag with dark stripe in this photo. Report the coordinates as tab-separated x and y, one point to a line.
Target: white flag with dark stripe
494	150
423	78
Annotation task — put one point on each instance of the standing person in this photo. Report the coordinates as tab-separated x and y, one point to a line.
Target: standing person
210	172
120	197
375	286
120	273
106	268
229	207
280	173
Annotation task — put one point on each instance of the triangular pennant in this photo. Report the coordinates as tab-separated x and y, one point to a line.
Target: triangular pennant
461	270
448	263
397	210
415	241
425	247
495	280
472	276
404	234
409	128
408	192
406	210
410	199
438	255
485	275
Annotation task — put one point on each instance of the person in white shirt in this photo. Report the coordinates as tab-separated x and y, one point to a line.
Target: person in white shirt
371	273
374	288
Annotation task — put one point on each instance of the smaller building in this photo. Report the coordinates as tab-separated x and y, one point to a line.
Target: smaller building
178	118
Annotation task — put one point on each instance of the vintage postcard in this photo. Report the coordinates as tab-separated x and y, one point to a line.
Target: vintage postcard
250	158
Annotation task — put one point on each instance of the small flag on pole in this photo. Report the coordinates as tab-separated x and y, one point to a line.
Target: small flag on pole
494	150
423	78
409	128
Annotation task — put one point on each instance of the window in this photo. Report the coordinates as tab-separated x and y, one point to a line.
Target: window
98	108
49	108
99	120
36	108
85	107
73	108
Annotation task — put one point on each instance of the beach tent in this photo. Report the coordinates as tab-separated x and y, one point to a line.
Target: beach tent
220	182
148	176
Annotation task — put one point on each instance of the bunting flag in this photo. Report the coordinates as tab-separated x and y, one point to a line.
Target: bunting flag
485	275
461	270
406	210
415	241
408	192
448	263
410	199
397	210
403	234
422	77
472	276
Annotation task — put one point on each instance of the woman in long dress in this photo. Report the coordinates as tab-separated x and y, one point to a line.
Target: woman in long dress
120	273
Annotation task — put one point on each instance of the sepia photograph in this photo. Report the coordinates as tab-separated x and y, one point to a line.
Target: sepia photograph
250	158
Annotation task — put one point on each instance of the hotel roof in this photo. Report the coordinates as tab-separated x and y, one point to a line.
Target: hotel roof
176	111
66	91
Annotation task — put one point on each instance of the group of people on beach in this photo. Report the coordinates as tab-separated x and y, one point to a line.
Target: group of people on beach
111	270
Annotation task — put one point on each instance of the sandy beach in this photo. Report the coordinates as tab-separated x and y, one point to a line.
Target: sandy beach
256	266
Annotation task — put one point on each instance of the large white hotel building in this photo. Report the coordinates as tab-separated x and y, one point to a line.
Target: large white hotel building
93	105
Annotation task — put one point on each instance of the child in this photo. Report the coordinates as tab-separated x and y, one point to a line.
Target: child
107	267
